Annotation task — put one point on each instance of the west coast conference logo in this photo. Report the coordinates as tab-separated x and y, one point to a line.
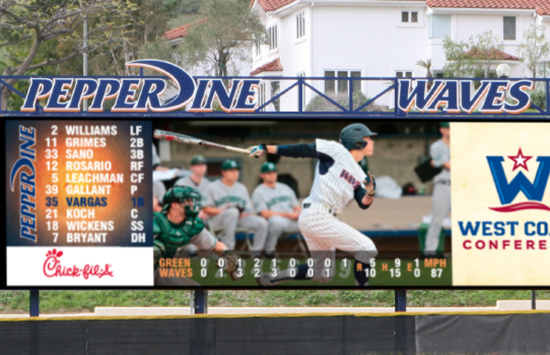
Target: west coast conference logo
142	94
53	268
508	191
458	96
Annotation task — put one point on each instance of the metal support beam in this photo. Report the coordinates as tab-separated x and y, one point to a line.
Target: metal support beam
199	302
401	300
533	299
34	301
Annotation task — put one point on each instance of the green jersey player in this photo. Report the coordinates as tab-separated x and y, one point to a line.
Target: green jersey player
177	225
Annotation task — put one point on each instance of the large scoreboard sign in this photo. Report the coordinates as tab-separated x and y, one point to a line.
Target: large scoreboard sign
79	211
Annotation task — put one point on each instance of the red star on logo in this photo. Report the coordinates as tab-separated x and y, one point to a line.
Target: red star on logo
520	160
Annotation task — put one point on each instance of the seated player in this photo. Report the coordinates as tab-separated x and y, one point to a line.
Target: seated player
277	203
197	179
177	225
338	180
229	206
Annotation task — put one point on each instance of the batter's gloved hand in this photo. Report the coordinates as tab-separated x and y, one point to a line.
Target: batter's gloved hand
231	262
370	184
256	151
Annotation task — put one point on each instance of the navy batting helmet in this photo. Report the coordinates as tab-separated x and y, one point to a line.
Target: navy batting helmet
351	136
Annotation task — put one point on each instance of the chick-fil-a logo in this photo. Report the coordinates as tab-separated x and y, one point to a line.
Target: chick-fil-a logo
53	268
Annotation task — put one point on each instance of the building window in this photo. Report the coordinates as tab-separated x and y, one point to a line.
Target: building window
301	25
341	85
272	31
440	26
409	16
509	27
404	74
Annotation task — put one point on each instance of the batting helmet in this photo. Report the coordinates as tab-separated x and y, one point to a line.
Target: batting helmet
184	194
351	136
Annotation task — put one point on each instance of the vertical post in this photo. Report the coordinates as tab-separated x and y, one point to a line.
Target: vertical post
85	54
547	95
396	98
34	302
533	299
401	300
300	94
199	302
350	92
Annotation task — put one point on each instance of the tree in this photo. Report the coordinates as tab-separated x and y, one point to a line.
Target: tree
534	49
43	33
427	64
216	40
473	58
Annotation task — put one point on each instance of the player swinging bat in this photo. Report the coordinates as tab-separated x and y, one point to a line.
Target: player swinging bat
338	180
182	138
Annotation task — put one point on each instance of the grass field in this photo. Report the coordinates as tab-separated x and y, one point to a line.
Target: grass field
86	301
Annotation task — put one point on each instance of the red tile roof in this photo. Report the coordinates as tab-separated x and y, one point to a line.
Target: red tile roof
541	6
272	5
495	54
181	31
274	65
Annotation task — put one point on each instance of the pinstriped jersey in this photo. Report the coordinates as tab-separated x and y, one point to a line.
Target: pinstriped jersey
337	175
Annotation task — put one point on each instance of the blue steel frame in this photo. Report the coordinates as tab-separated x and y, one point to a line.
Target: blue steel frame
301	83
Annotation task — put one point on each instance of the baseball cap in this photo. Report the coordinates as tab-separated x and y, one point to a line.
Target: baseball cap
198	159
230	164
267	167
444	125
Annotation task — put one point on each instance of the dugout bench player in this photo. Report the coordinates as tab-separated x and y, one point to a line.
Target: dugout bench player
177	226
440	152
197	179
276	202
229	206
338	180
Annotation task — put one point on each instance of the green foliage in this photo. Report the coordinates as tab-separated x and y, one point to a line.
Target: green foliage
534	48
474	58
426	64
215	42
538	97
48	33
320	104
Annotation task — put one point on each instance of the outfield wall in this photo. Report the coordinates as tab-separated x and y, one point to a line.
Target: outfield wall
289	334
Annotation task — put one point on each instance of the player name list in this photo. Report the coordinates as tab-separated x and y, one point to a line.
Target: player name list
92	183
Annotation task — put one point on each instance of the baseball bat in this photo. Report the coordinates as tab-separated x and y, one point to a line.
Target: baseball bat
182	138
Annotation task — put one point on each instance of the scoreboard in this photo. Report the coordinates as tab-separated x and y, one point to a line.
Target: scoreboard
79	214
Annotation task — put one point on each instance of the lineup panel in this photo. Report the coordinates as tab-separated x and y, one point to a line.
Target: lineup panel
75	184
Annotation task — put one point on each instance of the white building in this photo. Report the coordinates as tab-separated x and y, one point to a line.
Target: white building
379	38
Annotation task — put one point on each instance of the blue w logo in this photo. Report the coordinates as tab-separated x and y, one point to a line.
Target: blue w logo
507	191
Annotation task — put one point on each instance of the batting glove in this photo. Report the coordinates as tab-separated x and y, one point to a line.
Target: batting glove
256	151
370	184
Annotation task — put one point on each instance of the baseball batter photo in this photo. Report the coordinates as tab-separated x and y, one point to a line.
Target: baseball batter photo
338	180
